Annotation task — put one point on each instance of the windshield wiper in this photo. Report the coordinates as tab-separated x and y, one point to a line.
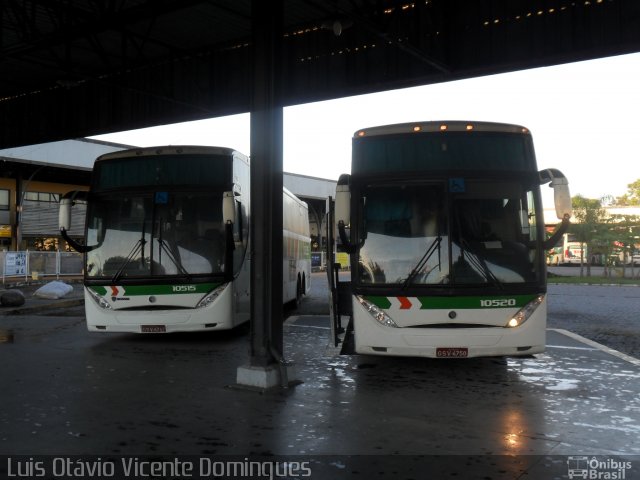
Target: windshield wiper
479	263
435	246
165	248
138	247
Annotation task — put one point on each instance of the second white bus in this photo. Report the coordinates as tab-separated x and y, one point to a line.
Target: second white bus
167	241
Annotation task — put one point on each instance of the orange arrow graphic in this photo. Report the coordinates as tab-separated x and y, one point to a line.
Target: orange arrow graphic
405	304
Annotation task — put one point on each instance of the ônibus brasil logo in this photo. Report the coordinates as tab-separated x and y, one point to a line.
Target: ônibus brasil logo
597	468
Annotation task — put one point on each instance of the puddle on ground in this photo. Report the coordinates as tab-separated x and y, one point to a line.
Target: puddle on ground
6	336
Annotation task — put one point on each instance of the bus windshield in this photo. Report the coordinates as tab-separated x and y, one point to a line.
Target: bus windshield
482	232
155	234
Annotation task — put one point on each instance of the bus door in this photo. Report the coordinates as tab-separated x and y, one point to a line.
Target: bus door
339	291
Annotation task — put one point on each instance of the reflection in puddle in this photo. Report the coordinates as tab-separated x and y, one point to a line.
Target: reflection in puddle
563	384
6	336
514	423
552	375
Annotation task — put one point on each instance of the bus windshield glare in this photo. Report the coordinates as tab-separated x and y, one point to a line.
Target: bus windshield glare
480	232
155	234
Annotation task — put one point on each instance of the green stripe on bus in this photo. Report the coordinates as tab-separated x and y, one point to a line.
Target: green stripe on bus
102	291
177	289
380	302
485	301
434	303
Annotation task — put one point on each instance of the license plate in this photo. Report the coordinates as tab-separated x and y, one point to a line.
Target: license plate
153	329
452	352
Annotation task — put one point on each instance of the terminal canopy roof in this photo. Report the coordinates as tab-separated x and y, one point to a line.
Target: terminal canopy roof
78	68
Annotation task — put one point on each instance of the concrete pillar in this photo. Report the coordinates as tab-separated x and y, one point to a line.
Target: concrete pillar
267	367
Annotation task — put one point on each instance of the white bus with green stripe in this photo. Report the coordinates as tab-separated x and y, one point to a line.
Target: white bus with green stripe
443	224
167	240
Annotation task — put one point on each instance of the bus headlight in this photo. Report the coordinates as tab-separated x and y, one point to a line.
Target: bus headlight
525	312
210	297
377	313
99	299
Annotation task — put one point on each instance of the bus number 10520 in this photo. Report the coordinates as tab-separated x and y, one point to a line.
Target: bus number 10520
498	302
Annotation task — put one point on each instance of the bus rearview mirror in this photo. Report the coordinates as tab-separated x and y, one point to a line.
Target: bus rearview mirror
343	201
228	208
64	209
561	194
562	200
64	214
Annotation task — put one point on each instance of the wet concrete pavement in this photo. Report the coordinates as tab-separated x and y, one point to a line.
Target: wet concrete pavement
609	315
66	392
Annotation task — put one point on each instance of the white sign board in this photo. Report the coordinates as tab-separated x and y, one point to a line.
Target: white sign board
15	263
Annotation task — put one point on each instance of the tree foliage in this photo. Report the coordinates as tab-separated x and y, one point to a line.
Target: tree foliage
588	214
632	197
627	230
612	237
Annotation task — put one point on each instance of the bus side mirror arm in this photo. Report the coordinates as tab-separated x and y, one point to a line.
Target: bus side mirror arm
73	244
561	229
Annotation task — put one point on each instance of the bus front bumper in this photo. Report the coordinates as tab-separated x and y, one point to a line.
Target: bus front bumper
373	338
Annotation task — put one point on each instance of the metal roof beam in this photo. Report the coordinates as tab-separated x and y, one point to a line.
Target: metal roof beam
373	27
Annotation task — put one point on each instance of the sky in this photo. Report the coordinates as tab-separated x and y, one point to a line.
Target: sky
584	118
